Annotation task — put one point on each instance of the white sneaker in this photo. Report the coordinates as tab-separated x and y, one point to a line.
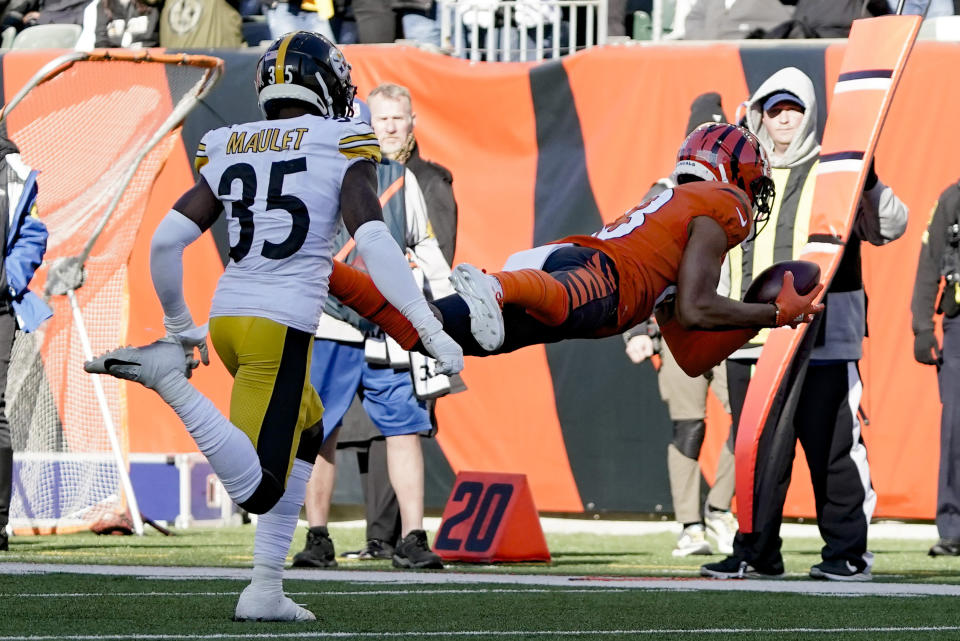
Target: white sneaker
486	317
255	605
147	365
692	541
722	527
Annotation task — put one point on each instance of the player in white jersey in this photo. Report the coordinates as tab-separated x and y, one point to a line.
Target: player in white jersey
282	182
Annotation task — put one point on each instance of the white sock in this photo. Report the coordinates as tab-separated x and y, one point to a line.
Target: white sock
229	451
275	530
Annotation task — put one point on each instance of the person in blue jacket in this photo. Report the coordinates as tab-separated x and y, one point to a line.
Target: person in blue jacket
25	241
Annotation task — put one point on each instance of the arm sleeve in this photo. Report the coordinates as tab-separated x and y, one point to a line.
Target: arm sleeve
927	282
390	272
174	233
881	217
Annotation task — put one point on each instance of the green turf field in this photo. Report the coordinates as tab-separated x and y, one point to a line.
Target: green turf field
557	600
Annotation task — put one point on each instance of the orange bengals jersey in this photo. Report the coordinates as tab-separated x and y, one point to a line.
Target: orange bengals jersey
647	242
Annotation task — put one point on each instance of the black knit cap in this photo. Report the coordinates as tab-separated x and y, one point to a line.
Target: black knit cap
705	108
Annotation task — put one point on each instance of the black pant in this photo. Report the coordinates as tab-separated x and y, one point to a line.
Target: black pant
382	509
593	312
376	21
948	485
825	422
8	328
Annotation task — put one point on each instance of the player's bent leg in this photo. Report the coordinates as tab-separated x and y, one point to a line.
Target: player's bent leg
162	367
274	400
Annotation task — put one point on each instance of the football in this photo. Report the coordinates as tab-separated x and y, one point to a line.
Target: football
766	286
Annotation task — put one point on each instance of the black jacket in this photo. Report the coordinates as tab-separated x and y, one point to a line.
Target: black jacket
936	258
436	183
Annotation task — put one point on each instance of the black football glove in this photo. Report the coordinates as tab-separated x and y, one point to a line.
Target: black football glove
926	349
871	180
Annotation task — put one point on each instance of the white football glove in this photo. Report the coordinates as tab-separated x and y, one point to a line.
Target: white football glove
445	350
190	337
639	348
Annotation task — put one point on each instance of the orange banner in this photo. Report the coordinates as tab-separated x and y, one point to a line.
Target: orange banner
631	105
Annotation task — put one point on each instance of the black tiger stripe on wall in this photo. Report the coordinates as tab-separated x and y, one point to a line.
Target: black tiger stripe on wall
615	427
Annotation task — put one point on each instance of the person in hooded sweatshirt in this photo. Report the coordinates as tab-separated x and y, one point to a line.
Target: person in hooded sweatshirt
783	115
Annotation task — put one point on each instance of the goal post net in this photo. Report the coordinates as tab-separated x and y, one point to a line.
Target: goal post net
98	126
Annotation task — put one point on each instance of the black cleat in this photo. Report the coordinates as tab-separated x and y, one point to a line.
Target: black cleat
946	547
413	553
734	567
147	365
318	552
375	549
840	571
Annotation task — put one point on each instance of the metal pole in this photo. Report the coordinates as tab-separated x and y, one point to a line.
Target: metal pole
107	419
657	18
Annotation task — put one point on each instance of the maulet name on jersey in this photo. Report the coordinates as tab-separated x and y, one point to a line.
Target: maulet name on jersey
269	139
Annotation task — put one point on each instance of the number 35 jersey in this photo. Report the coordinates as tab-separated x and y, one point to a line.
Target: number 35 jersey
279	182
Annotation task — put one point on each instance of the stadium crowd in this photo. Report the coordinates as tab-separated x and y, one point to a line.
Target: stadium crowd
238	23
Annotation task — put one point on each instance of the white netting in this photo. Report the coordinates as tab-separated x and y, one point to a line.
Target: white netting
84	130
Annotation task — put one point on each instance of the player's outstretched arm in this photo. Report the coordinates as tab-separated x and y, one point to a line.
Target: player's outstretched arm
192	214
699	307
387	266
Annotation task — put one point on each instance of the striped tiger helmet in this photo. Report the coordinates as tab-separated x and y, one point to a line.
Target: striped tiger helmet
305	67
730	154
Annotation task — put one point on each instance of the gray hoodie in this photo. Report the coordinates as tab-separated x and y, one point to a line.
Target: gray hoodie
881	218
805	144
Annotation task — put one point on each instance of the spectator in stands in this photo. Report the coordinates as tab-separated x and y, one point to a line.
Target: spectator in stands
783	115
24	243
130	24
388	20
526	20
726	20
934	8
344	23
285	16
827	18
341	370
27	13
686	400
418	18
187	24
376	21
939	263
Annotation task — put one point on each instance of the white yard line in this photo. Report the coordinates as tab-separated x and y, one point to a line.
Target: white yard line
466	578
480	634
553	525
